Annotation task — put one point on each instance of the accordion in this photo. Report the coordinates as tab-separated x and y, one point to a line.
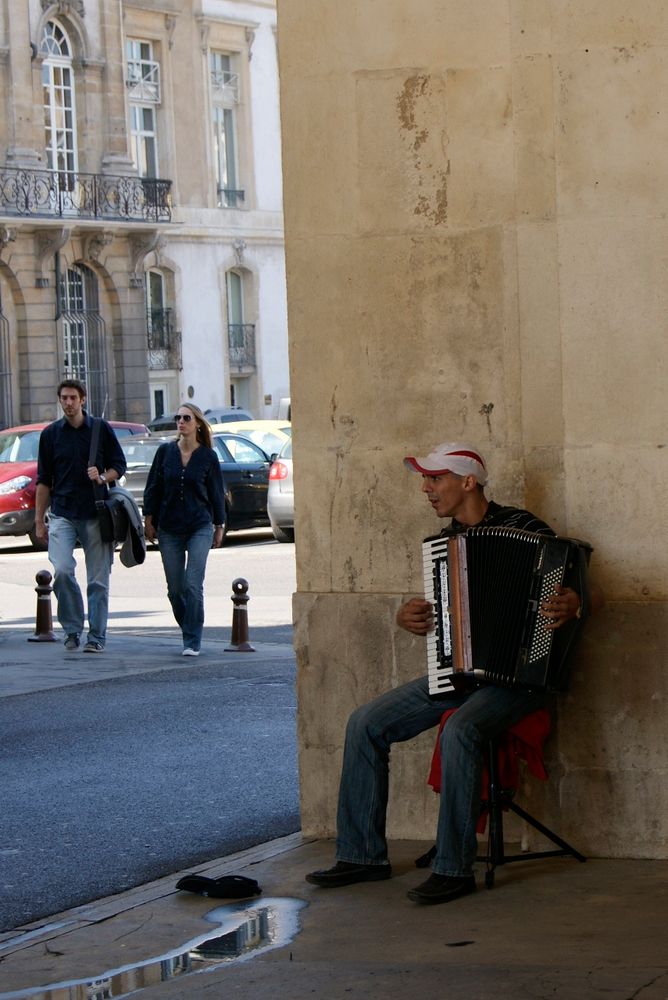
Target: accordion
486	586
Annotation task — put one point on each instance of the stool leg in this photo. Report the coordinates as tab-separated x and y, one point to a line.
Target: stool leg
495	852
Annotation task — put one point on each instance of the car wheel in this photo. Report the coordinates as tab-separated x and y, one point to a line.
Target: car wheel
283	534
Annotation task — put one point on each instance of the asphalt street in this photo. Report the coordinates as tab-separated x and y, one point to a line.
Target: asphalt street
109	785
112	781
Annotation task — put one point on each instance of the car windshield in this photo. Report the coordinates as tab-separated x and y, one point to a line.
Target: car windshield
242	451
139	454
19	447
269	442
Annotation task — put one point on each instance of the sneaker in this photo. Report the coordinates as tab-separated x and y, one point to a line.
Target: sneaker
442	888
72	642
190	652
93	647
347	873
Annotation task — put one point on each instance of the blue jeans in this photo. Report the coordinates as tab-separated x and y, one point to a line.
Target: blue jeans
400	715
184	561
63	536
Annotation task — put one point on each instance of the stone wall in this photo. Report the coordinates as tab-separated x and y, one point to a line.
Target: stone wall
475	207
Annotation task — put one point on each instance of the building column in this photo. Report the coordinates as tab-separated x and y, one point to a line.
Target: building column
23	145
116	158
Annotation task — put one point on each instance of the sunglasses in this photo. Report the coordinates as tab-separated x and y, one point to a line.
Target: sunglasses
185	417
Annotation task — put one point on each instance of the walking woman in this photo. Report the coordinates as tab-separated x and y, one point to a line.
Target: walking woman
184	507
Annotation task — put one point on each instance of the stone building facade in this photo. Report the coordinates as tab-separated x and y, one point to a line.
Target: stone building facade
478	236
141	240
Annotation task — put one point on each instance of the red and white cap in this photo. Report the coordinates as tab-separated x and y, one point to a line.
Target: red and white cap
454	456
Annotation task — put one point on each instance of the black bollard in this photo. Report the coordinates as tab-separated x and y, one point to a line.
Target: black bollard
239	642
44	620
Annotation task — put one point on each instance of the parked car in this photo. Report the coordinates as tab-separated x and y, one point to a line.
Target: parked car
270	435
223	414
215	415
245	469
18	475
281	496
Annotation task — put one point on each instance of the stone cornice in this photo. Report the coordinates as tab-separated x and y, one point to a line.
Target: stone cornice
166	8
64	7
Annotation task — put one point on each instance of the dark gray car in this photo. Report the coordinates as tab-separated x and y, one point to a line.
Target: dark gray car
244	465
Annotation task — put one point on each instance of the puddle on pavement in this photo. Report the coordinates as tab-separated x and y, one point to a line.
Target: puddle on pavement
243	930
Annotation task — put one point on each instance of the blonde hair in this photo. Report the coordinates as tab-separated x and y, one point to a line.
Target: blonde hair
203	426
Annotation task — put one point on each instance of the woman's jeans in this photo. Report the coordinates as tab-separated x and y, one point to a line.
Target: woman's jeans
400	715
63	536
184	561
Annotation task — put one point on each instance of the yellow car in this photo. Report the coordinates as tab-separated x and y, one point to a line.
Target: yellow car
270	435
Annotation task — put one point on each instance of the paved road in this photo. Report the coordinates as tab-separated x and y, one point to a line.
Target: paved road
109	782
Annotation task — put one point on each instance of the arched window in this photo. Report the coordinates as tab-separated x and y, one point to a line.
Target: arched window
58	99
84	353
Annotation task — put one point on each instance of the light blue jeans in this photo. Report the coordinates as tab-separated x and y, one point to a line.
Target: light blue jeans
400	715
63	536
184	561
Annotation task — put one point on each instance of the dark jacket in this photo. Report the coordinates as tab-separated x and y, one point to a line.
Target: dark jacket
63	460
183	498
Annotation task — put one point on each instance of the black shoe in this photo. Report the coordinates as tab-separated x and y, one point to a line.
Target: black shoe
93	647
442	888
72	642
346	873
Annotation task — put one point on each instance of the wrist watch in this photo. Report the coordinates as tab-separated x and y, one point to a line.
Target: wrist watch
103	478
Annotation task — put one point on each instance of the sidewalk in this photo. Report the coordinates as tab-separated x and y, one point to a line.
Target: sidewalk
550	928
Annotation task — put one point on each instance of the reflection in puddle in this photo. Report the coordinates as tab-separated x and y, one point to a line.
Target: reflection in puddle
244	930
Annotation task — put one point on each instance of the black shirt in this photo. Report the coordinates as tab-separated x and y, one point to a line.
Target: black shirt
508	517
182	498
63	460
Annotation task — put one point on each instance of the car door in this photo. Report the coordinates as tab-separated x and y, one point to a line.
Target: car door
245	470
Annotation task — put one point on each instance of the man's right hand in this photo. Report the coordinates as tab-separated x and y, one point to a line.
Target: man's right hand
41	530
416	616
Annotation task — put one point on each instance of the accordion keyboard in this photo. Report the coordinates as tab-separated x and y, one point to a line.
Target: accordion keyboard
439	641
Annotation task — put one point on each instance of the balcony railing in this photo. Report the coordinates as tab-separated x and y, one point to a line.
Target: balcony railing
53	193
225	86
143	80
241	345
164	342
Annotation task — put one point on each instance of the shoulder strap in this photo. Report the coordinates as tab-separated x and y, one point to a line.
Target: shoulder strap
100	492
94	438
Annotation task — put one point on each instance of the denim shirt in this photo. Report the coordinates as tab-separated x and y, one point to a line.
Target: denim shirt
182	498
63	461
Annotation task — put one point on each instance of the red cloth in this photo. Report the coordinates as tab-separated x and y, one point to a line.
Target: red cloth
523	741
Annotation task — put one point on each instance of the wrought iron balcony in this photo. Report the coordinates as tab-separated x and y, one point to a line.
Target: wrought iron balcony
164	342
143	80
241	345
67	194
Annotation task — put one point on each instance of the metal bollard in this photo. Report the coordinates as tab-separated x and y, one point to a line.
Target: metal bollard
239	642
44	620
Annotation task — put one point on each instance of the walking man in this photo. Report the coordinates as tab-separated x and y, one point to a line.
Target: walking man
65	479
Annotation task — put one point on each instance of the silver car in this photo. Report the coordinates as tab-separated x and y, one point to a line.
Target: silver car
281	497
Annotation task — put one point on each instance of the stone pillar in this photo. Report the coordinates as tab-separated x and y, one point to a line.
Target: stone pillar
23	145
115	158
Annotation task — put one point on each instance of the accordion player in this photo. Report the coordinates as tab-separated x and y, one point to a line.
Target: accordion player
486	585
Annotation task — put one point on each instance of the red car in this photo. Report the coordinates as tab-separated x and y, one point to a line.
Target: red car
18	475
